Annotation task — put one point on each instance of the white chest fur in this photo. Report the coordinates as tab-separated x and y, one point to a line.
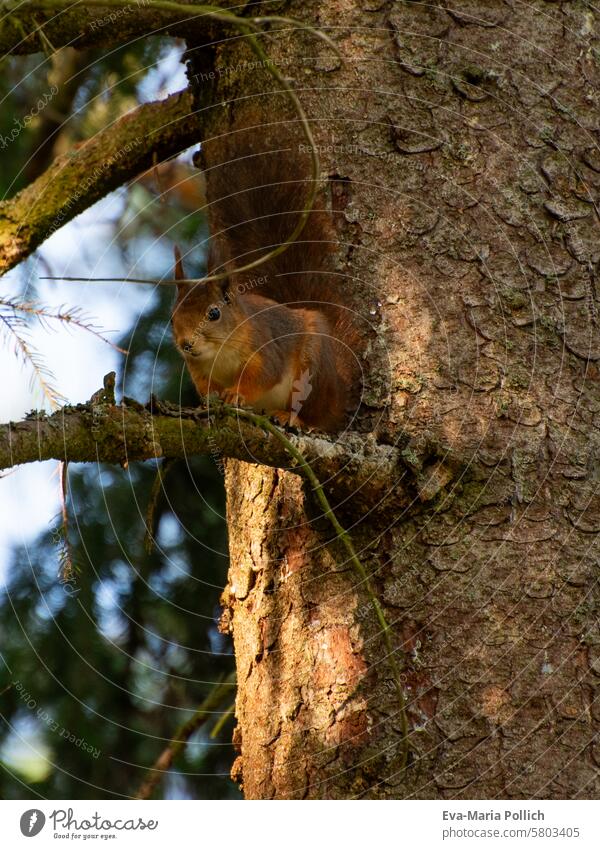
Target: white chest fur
278	397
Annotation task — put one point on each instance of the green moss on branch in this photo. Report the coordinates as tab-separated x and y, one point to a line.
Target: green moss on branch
77	179
102	431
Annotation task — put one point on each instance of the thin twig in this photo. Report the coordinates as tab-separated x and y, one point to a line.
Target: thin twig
67	315
67	564
30	357
222	720
165	760
157	487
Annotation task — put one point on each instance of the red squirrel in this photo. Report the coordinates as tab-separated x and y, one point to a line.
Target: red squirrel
276	339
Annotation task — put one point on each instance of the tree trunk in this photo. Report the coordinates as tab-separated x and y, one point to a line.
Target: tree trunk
461	148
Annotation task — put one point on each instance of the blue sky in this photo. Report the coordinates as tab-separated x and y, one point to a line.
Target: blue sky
29	495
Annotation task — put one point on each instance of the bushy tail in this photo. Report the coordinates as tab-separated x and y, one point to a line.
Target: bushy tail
257	193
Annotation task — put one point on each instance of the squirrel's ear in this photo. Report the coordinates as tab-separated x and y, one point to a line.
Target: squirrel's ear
224	286
179	272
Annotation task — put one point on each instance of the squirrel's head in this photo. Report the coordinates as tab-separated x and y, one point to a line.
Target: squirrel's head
206	323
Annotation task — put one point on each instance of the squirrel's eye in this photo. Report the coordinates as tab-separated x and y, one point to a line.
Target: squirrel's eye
213	314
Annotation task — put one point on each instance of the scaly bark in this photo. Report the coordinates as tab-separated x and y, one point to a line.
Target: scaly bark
465	169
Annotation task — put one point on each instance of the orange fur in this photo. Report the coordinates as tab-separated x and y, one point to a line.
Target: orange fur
285	344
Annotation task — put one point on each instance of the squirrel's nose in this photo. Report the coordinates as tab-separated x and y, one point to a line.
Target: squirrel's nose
187	346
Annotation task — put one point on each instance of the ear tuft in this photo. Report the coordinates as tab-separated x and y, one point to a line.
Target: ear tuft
179	272
224	286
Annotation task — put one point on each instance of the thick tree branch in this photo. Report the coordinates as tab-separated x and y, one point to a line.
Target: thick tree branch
79	178
82	26
103	431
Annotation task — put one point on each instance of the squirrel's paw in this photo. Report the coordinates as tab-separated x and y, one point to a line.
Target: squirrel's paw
282	417
233	397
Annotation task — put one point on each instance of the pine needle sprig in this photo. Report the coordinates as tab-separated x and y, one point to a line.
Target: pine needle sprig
16	317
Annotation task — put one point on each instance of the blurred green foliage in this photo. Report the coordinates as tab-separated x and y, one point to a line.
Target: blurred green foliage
99	673
50	103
